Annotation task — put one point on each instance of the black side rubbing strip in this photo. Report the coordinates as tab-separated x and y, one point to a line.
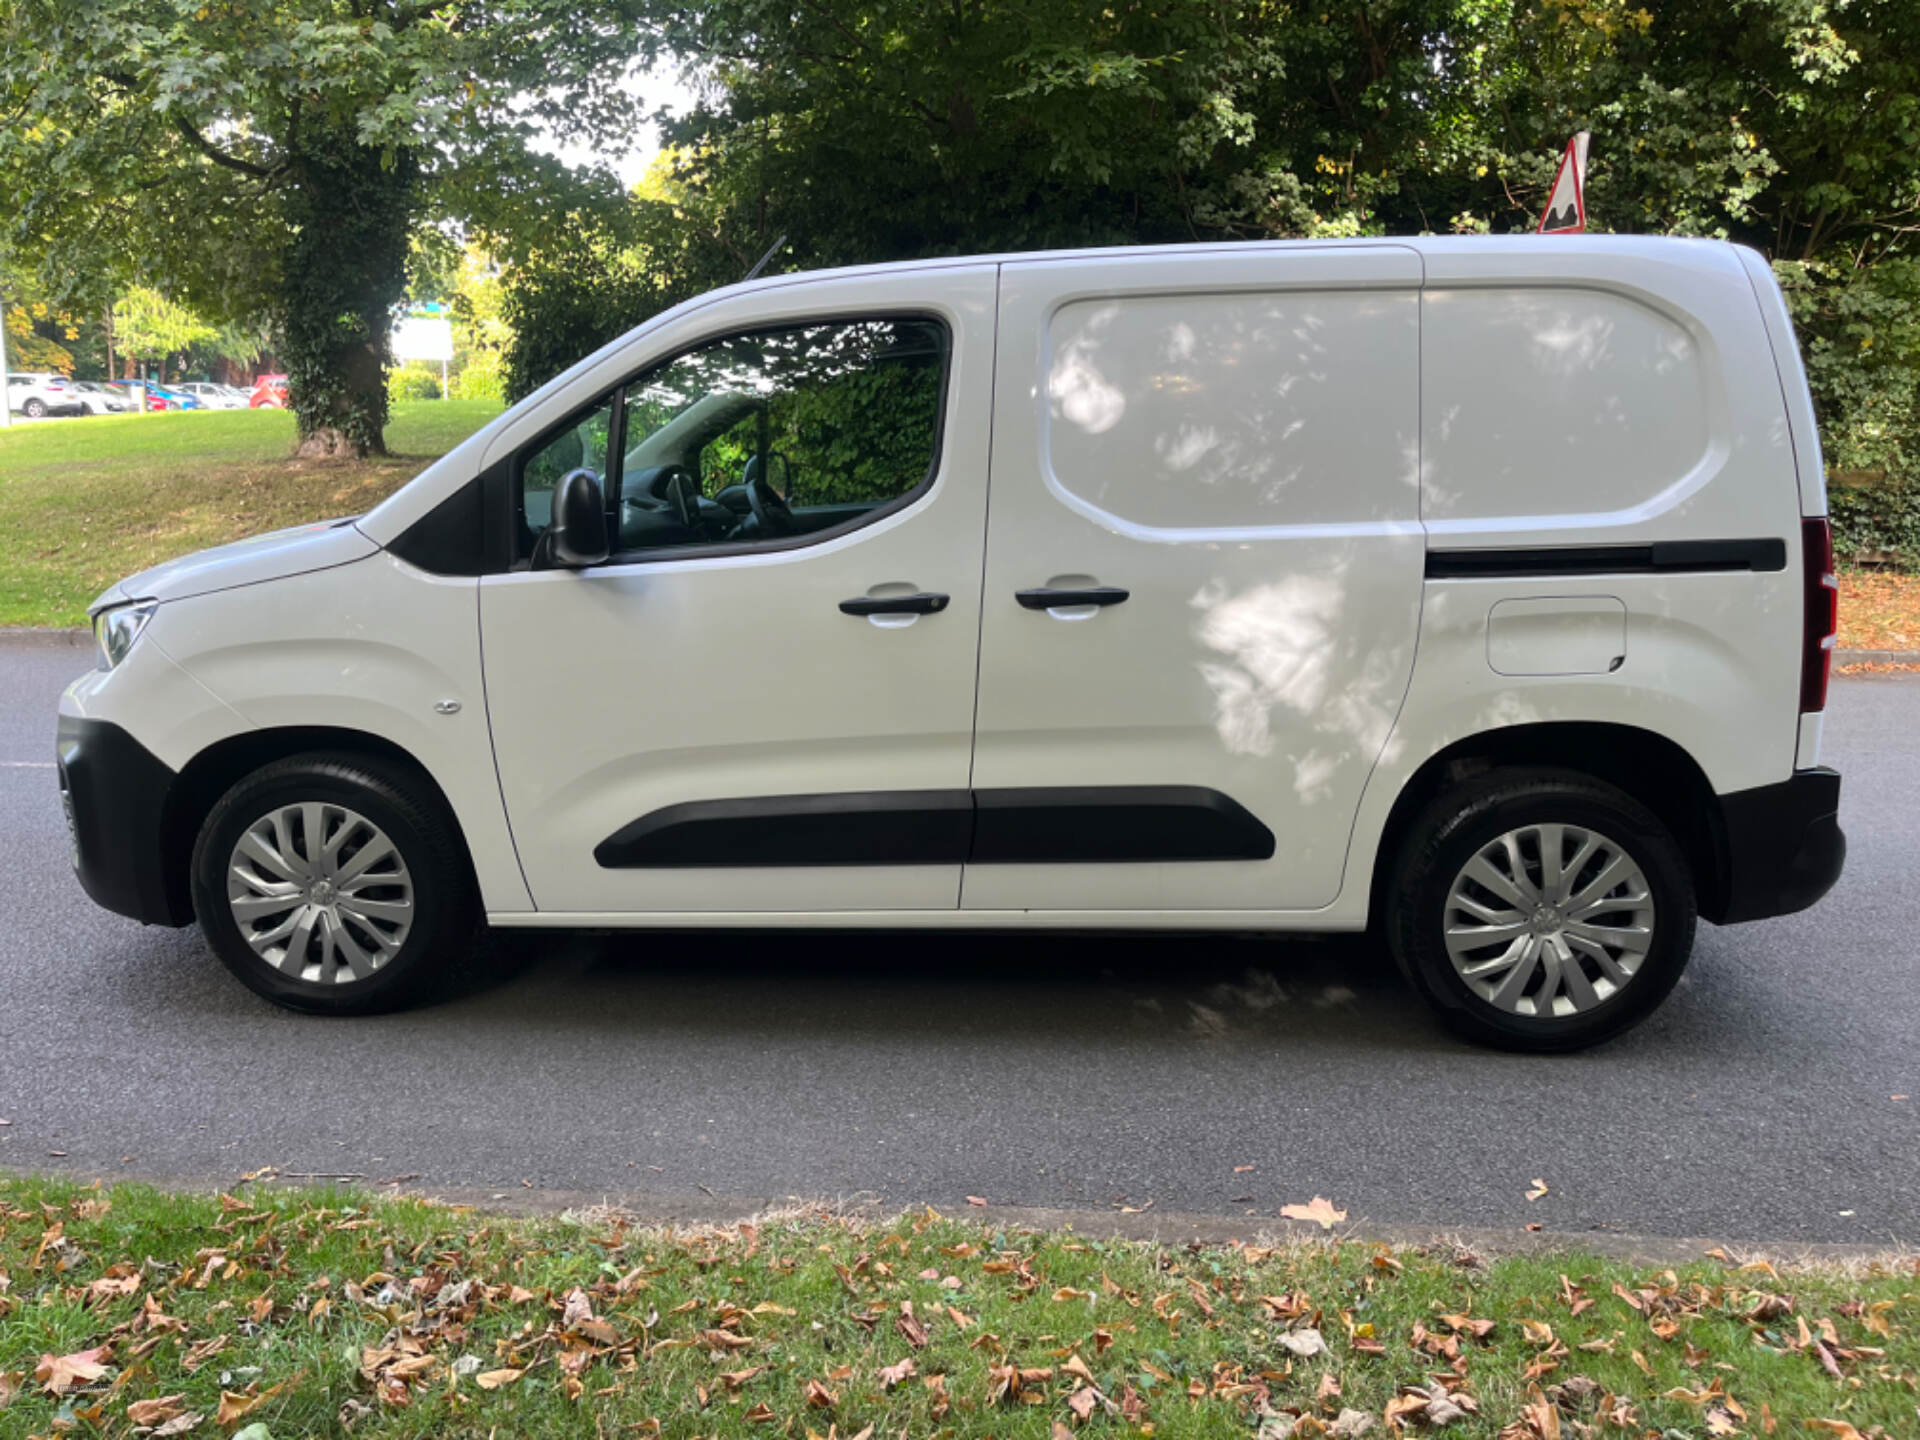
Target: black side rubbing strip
1043	825
1662	557
1114	823
893	827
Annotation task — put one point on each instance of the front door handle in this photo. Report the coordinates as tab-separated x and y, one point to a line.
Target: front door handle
1047	598
925	602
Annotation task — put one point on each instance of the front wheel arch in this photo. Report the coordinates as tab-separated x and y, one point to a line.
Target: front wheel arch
218	768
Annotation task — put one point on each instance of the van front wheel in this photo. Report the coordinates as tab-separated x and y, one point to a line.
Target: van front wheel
332	884
1541	909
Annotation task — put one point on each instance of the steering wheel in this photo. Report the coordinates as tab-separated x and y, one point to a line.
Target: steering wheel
683	494
770	511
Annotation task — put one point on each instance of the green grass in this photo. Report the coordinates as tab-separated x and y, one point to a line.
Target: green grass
84	502
316	1311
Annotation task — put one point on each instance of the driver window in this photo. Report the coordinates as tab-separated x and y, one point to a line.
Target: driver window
778	433
582	442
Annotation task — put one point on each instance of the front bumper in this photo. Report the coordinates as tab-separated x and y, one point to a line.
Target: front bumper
115	794
1784	848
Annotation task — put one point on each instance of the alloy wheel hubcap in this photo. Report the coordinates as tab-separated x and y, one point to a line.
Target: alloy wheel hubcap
320	893
1549	921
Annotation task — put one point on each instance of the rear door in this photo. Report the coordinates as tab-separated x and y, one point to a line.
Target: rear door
1204	564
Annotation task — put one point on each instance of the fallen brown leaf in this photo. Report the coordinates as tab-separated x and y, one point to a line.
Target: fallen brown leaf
61	1373
156	1411
892	1375
494	1379
1319	1210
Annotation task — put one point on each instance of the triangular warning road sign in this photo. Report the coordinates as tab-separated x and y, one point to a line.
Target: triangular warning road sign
1566	212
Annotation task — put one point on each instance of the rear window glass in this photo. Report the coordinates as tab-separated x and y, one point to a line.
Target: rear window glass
1554	402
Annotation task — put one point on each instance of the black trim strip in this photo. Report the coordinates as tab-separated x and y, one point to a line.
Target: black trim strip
1661	557
1039	825
891	827
1109	823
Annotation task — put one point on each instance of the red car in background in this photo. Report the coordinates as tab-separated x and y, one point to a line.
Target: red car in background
269	392
153	400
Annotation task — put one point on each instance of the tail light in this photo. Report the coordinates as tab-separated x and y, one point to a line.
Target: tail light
1823	612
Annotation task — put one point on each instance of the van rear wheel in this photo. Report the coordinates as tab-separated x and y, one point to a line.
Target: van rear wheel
1541	909
332	884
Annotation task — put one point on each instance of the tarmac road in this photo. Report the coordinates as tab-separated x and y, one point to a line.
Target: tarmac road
1764	1102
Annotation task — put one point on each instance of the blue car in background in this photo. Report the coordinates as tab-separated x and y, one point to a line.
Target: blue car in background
176	399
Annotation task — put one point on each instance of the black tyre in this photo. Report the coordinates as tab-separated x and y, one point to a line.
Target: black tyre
1540	909
34	409
333	884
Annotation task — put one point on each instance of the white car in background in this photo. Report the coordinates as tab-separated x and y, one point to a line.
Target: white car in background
98	399
37	395
214	397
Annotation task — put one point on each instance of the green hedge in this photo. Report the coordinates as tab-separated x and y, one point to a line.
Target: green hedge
412	382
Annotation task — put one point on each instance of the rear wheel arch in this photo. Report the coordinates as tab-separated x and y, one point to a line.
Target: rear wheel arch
1647	766
219	767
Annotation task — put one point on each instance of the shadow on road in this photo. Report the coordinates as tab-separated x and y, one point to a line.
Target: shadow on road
733	985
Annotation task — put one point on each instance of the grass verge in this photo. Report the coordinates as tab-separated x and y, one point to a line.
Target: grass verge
84	502
318	1313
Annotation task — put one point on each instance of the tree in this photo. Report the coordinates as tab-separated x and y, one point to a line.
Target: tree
148	326
271	159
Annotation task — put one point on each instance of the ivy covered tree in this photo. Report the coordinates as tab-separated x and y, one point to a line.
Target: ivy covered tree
270	158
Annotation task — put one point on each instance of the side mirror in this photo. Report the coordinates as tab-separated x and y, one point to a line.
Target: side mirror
577	534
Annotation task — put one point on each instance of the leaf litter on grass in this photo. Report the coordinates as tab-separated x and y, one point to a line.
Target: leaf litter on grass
440	1321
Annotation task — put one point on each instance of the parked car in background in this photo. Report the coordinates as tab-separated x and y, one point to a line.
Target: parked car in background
99	399
269	393
36	394
125	389
214	397
177	399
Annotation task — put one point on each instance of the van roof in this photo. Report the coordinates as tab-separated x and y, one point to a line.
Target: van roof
1666	248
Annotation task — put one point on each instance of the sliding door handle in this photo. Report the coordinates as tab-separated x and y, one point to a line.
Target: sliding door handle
1046	598
926	602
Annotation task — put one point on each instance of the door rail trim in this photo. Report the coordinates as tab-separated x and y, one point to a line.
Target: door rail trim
1039	825
1661	557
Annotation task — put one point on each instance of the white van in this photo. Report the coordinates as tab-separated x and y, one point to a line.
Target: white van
1478	589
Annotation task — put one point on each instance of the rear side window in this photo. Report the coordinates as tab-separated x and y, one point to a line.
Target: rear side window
1554	402
1235	412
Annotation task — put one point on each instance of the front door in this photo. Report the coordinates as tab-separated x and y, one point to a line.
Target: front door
763	702
1204	565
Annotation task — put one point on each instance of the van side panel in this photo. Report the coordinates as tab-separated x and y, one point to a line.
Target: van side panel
1793	382
1601	419
1232	441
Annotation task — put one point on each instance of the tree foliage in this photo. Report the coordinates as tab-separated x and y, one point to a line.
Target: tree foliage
869	130
270	158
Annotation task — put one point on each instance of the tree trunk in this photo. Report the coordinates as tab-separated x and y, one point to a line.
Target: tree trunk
344	270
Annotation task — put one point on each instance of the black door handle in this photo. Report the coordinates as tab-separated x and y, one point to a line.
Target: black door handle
1046	599
925	602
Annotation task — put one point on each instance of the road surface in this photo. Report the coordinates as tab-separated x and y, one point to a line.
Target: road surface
1086	1073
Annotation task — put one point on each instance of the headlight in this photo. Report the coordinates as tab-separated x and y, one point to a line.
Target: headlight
115	630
